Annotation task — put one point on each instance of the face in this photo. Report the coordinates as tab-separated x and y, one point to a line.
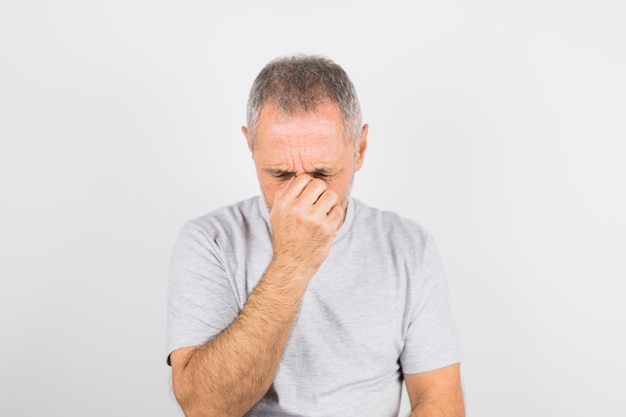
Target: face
313	143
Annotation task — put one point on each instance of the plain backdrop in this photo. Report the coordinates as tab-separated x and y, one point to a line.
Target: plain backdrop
498	126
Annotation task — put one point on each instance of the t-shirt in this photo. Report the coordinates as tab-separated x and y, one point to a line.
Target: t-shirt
376	309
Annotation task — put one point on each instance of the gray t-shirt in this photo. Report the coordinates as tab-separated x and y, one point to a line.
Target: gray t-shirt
376	308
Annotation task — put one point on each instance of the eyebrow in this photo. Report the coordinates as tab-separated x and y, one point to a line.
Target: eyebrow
283	172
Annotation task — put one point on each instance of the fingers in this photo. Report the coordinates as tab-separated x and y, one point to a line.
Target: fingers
327	201
310	195
305	217
303	187
296	186
336	214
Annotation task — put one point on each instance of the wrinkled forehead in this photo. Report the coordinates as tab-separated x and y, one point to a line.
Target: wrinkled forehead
325	120
307	143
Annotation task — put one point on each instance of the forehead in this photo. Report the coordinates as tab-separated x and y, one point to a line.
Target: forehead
301	141
324	124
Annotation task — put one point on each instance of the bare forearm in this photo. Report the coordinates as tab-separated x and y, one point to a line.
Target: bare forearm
232	372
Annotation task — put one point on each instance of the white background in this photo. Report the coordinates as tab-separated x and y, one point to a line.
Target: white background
499	126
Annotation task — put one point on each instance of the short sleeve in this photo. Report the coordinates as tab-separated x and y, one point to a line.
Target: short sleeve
201	302
431	341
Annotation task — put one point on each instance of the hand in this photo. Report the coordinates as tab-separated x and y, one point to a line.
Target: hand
305	217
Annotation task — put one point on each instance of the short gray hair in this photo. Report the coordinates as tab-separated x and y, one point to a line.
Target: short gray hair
298	84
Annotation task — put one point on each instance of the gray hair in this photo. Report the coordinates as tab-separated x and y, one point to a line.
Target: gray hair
298	84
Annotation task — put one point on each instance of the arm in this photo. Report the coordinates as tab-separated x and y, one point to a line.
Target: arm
436	393
232	372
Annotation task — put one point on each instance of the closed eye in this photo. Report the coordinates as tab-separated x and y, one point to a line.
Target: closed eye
282	175
285	175
321	175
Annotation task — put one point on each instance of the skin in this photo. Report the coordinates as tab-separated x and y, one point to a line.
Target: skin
436	393
305	166
313	146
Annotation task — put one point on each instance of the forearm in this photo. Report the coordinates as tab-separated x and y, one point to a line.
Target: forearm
232	372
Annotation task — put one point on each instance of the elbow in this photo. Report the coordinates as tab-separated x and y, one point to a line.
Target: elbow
188	404
190	409
193	405
192	395
183	397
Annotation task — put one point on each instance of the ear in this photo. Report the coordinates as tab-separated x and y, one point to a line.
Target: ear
361	148
244	130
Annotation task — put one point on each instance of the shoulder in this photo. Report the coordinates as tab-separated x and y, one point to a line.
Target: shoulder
231	225
227	218
390	225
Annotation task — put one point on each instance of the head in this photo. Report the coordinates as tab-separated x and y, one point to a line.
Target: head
298	84
304	118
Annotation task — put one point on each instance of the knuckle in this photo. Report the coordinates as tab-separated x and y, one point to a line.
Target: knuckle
299	211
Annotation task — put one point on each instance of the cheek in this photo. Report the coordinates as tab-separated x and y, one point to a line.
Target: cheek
269	190
339	185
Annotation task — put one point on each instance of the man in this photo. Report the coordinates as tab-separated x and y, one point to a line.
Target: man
306	302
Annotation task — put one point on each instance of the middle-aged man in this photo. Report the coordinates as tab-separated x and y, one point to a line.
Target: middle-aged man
305	301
